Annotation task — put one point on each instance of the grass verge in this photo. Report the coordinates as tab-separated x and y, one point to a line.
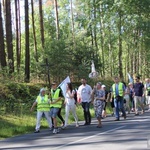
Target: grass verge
13	125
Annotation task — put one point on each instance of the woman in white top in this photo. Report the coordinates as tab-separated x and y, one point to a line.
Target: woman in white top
70	105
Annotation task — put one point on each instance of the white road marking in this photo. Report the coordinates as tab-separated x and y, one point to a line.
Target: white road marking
139	120
89	137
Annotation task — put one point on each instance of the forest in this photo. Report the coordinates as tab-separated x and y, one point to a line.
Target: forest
60	38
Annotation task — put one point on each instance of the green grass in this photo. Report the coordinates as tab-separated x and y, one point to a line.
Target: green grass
12	125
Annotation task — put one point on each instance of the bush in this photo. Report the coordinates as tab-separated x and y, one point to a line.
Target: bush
17	97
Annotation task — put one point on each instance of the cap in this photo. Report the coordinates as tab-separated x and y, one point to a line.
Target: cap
103	86
130	83
54	82
42	89
99	83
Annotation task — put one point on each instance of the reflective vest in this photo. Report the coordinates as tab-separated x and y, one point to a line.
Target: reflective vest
148	89
43	104
55	96
120	89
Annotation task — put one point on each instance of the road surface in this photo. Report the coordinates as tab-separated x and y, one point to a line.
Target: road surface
130	134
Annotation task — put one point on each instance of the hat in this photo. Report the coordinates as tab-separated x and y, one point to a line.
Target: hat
54	82
42	89
99	83
130	83
103	86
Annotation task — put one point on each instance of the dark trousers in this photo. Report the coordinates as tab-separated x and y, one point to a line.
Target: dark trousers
60	116
132	101
86	110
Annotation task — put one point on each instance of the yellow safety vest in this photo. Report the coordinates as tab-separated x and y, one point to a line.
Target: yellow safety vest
120	88
55	96
43	105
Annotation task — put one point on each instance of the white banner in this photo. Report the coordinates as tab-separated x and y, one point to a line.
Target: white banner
130	78
93	73
63	85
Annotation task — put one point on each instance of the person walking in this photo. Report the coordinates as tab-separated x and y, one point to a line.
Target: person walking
131	96
111	100
127	99
55	104
84	97
147	92
104	114
118	90
99	97
138	95
43	107
70	105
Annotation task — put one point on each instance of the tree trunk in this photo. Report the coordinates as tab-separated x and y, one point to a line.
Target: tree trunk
111	55
19	35
41	23
102	37
95	32
2	45
17	15
135	54
120	47
34	34
27	51
9	36
56	17
72	25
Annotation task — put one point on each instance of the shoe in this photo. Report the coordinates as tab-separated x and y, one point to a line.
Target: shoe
133	110
137	114
99	126
36	131
125	117
63	124
58	130
64	127
112	114
85	124
54	131
117	119
143	111
77	125
51	128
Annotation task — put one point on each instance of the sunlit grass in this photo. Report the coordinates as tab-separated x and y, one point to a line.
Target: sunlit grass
12	125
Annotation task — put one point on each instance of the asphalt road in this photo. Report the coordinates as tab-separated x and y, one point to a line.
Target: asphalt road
130	134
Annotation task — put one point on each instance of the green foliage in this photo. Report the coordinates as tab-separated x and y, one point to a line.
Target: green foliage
16	97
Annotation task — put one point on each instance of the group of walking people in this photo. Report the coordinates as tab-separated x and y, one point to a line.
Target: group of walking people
50	105
130	97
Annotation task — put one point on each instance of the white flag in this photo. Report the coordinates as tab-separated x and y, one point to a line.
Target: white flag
63	85
130	78
93	73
